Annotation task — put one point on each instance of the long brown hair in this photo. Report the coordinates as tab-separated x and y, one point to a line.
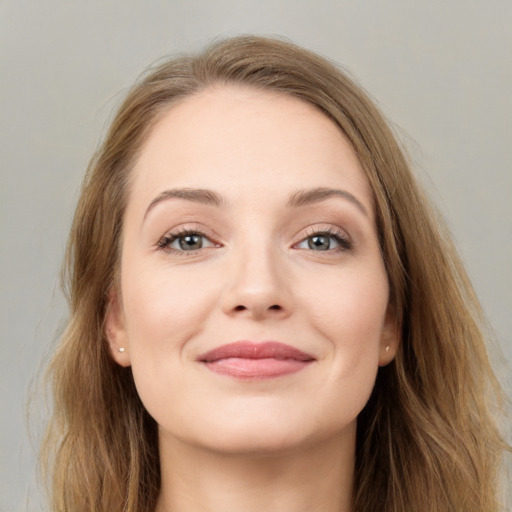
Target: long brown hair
426	440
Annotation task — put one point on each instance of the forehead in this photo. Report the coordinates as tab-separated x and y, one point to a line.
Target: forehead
243	140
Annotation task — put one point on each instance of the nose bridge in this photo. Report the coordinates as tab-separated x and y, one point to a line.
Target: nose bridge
258	266
256	284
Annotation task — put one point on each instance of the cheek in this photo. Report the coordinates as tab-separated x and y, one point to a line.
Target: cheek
349	311
350	316
164	307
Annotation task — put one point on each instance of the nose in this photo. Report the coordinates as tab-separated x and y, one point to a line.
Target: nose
258	286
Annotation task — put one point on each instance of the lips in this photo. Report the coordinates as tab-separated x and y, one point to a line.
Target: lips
248	360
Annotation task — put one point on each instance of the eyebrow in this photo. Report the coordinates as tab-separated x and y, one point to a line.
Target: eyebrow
297	200
197	195
316	195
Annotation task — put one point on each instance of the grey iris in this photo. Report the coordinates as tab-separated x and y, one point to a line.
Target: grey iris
319	242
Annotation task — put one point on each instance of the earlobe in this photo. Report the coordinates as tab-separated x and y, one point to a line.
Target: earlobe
390	339
115	330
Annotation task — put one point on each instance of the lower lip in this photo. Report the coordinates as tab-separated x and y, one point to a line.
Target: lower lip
256	369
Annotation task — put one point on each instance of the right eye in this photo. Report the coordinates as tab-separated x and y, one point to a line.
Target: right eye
185	241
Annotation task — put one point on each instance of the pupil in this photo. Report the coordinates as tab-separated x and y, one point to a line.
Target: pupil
190	242
319	242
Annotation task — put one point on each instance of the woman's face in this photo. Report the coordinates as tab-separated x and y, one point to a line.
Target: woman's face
253	300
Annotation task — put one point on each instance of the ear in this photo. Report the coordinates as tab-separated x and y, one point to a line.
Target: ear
390	339
115	329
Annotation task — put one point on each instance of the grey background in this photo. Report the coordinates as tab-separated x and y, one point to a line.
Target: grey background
441	70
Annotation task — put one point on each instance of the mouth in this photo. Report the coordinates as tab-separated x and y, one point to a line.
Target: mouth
255	361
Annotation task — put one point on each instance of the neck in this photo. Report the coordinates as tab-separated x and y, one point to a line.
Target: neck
316	478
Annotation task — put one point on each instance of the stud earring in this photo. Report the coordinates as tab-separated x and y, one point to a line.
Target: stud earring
121	349
387	348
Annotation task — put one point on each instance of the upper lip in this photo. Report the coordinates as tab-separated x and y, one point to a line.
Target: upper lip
252	350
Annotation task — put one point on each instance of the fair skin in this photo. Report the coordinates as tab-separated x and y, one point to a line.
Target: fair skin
282	247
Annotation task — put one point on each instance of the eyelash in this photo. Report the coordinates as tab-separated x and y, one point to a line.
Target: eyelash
344	241
164	243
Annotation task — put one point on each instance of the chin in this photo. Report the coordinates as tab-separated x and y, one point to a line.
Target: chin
265	437
251	444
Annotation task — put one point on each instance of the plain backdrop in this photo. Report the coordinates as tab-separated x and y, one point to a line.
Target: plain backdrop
440	70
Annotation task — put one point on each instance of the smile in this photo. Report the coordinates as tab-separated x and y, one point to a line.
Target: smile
255	361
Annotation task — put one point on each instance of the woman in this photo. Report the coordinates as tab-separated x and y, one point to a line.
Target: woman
265	311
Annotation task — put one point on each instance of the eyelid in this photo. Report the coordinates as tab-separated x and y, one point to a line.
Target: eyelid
171	235
344	240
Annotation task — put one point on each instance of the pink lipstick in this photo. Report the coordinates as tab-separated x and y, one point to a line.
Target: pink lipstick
248	360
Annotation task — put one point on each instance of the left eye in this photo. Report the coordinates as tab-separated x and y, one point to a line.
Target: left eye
323	242
186	242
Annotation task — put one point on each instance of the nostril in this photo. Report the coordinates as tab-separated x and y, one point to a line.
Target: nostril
275	307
